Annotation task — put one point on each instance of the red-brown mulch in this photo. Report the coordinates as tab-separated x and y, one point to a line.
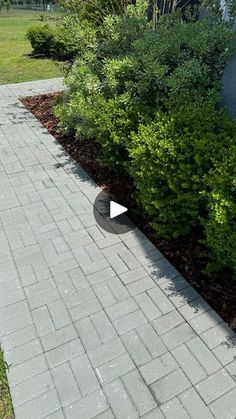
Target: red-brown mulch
186	253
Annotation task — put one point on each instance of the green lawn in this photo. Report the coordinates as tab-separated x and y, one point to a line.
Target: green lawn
15	63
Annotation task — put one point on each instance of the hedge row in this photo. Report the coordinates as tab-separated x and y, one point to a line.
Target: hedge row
151	100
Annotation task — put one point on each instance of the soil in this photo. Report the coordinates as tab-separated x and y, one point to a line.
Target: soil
187	253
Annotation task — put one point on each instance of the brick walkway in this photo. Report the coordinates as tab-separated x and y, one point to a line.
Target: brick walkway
92	324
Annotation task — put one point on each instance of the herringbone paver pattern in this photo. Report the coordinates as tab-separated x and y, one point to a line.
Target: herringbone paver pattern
94	325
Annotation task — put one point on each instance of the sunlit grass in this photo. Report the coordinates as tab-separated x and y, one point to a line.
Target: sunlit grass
16	65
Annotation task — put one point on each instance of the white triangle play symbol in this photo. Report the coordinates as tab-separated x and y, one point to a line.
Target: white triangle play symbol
116	209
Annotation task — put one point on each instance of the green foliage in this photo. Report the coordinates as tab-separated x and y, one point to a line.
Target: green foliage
71	38
41	38
170	162
220	226
151	100
6	408
62	42
95	10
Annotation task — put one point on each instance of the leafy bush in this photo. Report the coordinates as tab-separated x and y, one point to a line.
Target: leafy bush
170	163
41	39
220	226
62	42
151	100
95	10
71	38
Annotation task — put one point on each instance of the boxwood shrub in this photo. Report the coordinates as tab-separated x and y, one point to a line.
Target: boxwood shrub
151	100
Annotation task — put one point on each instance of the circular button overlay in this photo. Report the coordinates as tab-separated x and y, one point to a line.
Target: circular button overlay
105	210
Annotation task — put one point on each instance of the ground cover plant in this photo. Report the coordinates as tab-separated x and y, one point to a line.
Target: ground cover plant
6	408
16	62
151	100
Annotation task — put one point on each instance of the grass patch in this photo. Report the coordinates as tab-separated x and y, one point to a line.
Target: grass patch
6	408
15	63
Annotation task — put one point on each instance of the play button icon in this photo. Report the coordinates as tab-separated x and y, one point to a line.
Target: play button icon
116	209
110	215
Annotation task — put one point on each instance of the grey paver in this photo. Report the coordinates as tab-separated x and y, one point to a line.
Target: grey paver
167	322
231	368
226	351
106	415
139	392
104	294
16	323
121	309
141	285
216	335
42	321
84	295
194	405
19	337
88	407
178	335
148	307
27	369
103	326
114	368
103	318
59	314
136	348
64	353
161	301
151	340
130	321
84	374
101	275
24	352
205	321
170	385
215	386
13	310
40	406
65	383
107	352
197	307
173	409
154	414
225	406
118	289
180	297
56	415
58	337
83	310
133	275
201	352
88	334
191	367
117	264
31	388
119	400
158	367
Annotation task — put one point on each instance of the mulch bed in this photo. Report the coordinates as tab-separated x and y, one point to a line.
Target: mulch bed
187	254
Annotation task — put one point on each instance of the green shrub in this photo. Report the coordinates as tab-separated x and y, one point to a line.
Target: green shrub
170	162
71	38
151	100
62	42
220	226
41	39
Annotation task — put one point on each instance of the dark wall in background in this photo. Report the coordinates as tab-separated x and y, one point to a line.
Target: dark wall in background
229	83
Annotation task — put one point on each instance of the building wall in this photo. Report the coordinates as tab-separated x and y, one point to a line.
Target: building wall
229	84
